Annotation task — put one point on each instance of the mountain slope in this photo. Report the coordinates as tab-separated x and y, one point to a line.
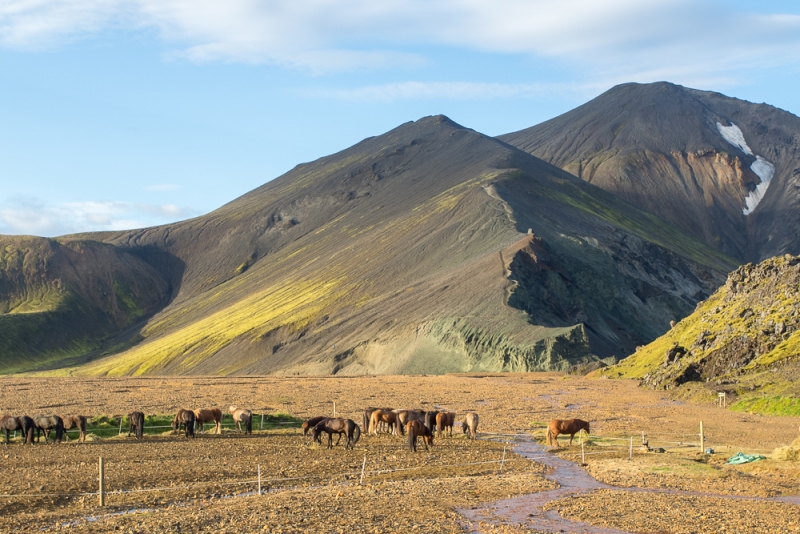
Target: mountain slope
693	158
744	340
411	252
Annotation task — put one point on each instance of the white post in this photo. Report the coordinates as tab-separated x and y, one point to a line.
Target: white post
630	452
334	408
259	479
642	437
702	439
262	422
583	457
120	426
361	482
580	437
502	460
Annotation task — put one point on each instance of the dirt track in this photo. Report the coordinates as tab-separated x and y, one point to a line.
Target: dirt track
324	492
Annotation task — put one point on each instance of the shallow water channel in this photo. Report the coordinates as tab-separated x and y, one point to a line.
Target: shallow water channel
528	511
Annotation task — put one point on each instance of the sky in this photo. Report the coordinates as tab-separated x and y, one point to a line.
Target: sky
120	114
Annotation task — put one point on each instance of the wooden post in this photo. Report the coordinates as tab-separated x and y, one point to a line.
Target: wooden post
334	408
580	437
502	460
583	457
630	451
262	426
702	439
259	479
102	492
120	426
361	482
642	437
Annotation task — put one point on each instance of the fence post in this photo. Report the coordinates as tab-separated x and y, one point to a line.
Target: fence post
259	479
262	423
334	408
583	457
102	490
361	482
580	437
642	437
630	451
702	439
502	460
120	426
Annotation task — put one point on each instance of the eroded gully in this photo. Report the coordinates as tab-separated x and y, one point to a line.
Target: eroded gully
528	511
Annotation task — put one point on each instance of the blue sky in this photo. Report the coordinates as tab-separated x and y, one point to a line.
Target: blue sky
127	113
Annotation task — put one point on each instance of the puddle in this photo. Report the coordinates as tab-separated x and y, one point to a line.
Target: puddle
528	511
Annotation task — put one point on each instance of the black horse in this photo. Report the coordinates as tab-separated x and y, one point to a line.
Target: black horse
136	420
430	420
340	426
22	423
46	423
185	418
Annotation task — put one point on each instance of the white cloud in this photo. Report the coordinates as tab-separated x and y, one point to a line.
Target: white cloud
30	216
622	36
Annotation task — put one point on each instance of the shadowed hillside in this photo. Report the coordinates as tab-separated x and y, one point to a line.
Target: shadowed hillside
695	159
411	253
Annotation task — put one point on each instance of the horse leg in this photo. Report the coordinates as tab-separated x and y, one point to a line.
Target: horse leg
330	440
570	439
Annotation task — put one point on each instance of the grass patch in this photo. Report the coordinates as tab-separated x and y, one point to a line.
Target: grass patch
776	405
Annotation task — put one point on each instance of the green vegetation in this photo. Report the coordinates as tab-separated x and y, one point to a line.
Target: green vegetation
776	405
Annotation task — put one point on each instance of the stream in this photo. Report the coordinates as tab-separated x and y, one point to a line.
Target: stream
528	511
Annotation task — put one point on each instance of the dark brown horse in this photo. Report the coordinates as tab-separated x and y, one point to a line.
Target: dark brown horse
417	428
209	415
23	423
565	426
445	420
136	420
309	424
186	419
470	425
46	423
340	426
404	416
242	416
430	420
75	421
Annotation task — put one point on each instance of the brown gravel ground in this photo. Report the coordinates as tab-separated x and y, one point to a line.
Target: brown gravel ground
325	496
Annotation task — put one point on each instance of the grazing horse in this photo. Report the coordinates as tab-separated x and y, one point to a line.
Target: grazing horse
368	416
185	418
417	428
75	421
209	415
136	420
445	420
565	426
309	424
382	416
470	424
430	420
340	426
22	423
240	415
46	423
404	416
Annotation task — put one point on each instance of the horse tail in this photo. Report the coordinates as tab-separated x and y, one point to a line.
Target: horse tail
249	425
549	437
356	435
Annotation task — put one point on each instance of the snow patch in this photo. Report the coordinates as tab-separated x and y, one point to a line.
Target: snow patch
761	167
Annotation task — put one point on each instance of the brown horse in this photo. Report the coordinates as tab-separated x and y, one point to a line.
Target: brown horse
209	415
470	424
430	420
186	419
22	423
382	416
565	426
418	428
340	426
240	415
445	420
368	416
75	421
404	416
309	424
136	420
46	423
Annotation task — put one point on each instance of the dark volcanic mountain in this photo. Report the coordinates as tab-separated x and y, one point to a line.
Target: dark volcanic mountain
693	158
431	248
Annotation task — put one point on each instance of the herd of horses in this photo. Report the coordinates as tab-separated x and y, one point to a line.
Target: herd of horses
415	423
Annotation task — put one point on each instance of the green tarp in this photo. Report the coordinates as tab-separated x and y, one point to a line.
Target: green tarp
742	458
